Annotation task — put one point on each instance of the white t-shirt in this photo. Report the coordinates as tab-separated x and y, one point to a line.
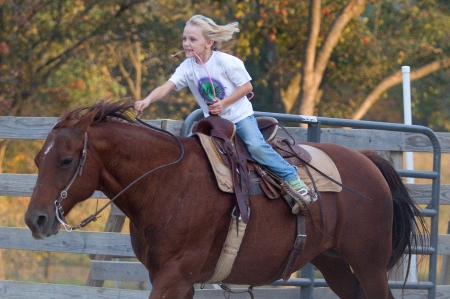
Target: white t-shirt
227	73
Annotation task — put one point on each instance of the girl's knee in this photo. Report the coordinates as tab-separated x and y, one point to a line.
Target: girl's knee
257	152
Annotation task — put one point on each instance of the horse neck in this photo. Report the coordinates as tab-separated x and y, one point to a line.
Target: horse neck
139	146
127	152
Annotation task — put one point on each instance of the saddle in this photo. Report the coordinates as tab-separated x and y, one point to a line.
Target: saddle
237	172
223	131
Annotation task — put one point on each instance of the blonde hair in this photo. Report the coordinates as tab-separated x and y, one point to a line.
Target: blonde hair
212	31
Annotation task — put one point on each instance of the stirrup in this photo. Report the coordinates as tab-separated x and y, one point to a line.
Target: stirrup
302	198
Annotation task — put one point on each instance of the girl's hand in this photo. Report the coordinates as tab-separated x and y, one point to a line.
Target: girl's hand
216	107
140	105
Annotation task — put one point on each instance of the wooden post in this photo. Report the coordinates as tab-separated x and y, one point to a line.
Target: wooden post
114	223
445	271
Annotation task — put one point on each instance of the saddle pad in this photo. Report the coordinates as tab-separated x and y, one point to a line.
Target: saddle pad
320	160
221	171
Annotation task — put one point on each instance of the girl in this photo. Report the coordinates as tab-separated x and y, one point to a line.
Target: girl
204	66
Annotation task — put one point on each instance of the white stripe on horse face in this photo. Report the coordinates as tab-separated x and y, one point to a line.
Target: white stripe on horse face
49	147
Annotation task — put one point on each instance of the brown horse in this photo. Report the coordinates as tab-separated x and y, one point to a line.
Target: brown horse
179	218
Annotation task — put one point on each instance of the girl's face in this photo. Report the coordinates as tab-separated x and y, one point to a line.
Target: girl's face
195	40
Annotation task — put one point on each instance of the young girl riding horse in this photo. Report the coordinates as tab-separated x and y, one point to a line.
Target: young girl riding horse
206	65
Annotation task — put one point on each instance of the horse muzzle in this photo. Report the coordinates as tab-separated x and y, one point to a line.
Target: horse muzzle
41	225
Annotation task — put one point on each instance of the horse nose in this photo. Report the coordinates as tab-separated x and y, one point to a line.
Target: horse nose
36	221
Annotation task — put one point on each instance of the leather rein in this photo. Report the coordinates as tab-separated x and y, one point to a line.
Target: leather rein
79	170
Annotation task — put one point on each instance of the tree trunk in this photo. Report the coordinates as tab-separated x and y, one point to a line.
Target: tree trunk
134	53
314	65
290	93
309	78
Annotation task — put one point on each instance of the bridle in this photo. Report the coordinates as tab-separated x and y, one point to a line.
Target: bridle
63	195
79	171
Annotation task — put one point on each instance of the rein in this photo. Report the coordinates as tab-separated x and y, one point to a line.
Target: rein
63	195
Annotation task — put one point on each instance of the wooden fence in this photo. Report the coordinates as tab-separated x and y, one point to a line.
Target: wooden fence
104	246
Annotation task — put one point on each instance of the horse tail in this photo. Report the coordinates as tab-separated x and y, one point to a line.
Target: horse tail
409	228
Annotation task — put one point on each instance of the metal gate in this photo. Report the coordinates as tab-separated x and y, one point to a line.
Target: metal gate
307	281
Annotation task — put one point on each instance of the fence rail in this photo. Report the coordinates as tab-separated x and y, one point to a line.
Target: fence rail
103	246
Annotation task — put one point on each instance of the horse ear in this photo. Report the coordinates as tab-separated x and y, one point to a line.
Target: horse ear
85	121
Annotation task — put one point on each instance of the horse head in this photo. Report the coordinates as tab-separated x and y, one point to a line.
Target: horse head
66	173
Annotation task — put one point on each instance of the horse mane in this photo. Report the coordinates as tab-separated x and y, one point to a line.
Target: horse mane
106	110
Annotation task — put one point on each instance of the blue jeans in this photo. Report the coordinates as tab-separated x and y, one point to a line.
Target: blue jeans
261	151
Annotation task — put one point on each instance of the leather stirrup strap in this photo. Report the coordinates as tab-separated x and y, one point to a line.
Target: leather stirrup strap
299	244
239	174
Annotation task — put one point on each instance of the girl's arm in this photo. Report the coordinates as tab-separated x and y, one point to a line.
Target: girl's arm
219	105
156	95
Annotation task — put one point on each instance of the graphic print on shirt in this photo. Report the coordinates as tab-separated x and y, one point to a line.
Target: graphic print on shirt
205	89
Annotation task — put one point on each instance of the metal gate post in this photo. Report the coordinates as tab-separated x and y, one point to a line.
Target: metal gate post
307	292
314	132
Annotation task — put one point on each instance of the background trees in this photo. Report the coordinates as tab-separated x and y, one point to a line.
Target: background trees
331	58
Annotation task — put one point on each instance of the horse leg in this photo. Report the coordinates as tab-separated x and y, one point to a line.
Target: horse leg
373	281
158	295
369	261
359	281
338	275
168	284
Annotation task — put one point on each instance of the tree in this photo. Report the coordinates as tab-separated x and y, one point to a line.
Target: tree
420	42
365	68
314	57
315	62
346	50
395	79
47	53
46	65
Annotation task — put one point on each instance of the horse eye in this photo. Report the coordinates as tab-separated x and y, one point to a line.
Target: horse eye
66	162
